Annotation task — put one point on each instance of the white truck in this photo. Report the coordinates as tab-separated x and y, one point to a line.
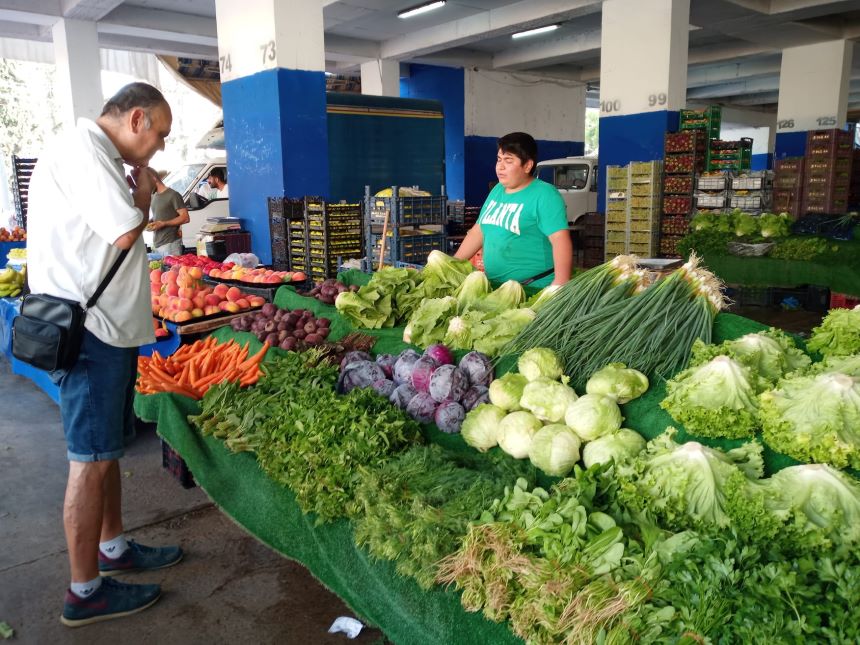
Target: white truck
576	180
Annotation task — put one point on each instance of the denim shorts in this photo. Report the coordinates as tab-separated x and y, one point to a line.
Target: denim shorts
96	400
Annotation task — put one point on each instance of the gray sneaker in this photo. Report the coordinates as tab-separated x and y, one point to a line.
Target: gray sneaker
112	599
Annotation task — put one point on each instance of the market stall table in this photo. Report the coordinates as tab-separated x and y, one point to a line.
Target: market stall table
370	587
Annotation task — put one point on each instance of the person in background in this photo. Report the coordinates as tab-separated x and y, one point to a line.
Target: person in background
83	211
217	181
168	213
522	227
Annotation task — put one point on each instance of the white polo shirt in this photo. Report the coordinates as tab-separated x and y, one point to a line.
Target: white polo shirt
79	205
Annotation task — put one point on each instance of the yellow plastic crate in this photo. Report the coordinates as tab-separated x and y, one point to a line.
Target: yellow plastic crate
616	206
643	225
616	236
641	237
613	172
643	250
644	190
616	217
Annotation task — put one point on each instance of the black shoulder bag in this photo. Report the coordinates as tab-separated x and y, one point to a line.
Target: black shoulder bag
48	332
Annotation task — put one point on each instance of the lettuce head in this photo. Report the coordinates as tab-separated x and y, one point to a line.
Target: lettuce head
716	399
815	418
547	399
618	382
838	334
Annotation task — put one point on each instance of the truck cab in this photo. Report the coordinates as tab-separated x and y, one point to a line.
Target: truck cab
576	180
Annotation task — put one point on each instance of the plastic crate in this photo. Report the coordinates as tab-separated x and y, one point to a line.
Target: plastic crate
593	224
409	248
746	202
745	296
830	205
757	181
239	242
829	143
710	200
677	205
645	169
669	246
708	119
818	167
409	211
843	301
787	202
678	185
679	226
683	164
684	141
176	466
788	164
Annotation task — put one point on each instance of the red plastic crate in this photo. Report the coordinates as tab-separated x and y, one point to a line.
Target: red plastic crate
843	301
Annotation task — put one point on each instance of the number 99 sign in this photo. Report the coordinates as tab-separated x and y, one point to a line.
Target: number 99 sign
657	99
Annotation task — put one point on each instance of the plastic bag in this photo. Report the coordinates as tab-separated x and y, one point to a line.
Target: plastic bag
245	260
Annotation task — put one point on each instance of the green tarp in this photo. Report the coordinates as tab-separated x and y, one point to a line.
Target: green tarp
770	272
371	588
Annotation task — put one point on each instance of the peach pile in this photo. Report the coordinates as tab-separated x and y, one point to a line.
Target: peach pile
179	296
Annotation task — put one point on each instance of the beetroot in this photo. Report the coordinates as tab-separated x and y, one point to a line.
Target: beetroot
449	417
448	383
439	353
402	395
475	396
422	407
421	373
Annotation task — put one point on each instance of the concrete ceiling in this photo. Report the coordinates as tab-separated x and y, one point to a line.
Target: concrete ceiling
734	55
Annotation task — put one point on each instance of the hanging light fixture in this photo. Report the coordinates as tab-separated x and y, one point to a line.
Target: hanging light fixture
534	32
422	8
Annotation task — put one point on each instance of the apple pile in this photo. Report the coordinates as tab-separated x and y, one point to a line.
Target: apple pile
257	276
179	296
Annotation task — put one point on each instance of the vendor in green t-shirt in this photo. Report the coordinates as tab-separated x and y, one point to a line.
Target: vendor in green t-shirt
522	227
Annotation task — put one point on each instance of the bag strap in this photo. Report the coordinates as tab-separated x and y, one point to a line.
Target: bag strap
540	275
106	280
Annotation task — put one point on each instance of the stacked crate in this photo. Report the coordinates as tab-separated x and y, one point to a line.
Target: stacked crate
633	215
751	192
788	186
728	155
854	188
712	191
617	185
283	211
333	234
402	220
593	239
678	183
707	120
829	157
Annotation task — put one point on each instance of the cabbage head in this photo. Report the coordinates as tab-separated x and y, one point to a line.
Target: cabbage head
547	399
773	225
746	225
474	288
618	446
540	361
592	416
555	449
480	428
717	399
820	504
516	432
510	295
815	419
618	382
507	390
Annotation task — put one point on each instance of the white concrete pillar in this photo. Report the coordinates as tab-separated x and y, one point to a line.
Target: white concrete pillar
380	78
76	55
643	78
813	92
272	60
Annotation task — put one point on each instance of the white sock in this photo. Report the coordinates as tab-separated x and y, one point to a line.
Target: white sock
86	589
114	548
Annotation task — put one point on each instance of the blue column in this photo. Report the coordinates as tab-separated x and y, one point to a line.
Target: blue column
790	144
277	144
632	137
443	84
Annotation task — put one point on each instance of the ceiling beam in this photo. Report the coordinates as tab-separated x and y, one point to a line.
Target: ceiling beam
34	17
711	74
549	52
155	46
344	49
487	24
167	26
92	10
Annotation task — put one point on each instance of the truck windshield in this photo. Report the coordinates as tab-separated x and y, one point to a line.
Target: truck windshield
181	178
566	176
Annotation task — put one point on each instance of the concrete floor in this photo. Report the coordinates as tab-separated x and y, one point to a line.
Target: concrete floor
229	587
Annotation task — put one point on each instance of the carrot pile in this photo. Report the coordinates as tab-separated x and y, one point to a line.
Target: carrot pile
193	369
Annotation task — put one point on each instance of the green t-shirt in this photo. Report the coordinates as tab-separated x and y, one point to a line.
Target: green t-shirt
516	229
164	206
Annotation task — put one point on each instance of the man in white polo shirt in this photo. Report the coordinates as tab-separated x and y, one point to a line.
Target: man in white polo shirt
83	212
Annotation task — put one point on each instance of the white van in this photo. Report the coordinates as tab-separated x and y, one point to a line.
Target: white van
576	180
